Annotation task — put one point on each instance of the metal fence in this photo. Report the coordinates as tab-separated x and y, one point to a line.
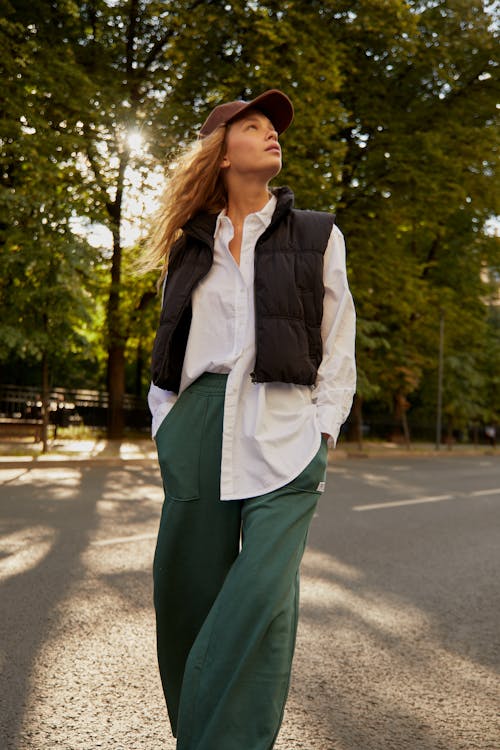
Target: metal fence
73	406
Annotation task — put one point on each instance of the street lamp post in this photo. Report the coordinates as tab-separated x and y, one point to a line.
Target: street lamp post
440	380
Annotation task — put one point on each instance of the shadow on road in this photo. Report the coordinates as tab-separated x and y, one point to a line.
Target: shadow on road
64	516
399	607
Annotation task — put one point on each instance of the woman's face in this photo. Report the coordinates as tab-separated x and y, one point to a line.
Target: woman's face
252	147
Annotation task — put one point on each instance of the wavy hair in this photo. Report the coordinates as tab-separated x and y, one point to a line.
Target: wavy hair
194	184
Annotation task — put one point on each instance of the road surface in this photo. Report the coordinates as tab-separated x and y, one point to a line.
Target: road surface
398	644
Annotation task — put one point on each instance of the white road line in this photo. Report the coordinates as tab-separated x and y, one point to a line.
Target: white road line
398	503
123	539
477	493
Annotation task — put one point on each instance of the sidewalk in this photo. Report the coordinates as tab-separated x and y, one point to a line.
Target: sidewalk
144	449
69	451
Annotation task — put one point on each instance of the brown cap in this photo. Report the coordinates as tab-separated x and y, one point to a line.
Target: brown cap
273	103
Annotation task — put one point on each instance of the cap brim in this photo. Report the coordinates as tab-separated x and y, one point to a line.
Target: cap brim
274	104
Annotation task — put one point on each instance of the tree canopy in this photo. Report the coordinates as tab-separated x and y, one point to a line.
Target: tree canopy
395	131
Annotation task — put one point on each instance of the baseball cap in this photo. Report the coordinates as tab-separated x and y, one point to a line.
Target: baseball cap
273	103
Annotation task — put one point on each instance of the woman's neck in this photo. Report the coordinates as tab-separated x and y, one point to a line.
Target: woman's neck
247	201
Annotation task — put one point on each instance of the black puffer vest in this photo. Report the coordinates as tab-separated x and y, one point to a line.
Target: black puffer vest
288	295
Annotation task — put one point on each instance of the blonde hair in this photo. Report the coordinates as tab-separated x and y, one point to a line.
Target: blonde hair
195	184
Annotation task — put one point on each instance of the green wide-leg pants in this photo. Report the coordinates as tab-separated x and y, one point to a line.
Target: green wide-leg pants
226	613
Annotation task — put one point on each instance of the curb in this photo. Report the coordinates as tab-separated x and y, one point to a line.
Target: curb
45	461
11	462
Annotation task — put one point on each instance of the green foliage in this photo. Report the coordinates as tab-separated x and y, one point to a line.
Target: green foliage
418	188
45	268
395	131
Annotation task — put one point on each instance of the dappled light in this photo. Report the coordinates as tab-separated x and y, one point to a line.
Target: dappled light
24	549
387	652
398	650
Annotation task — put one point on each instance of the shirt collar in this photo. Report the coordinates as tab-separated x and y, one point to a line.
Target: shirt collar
264	215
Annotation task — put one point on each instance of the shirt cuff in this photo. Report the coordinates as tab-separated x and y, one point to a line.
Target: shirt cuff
160	402
329	420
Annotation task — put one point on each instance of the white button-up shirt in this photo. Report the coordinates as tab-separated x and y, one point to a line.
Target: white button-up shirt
271	430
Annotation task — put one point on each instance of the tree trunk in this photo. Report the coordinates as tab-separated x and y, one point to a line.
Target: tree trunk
117	336
406	430
116	391
139	366
449	432
116	346
358	420
116	365
400	408
45	403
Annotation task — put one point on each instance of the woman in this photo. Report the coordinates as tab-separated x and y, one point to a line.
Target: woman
253	371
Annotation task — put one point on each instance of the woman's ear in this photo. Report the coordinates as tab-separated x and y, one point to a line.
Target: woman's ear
225	162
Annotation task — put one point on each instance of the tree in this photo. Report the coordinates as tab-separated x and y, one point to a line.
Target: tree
418	179
131	52
45	267
394	131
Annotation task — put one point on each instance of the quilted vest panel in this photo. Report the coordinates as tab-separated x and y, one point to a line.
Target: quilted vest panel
289	298
288	295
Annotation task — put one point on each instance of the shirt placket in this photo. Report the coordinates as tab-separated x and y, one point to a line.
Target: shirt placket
231	401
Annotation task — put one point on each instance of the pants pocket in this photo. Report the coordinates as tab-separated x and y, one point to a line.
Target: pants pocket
178	442
312	478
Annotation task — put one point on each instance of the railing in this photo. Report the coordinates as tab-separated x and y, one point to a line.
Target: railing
81	405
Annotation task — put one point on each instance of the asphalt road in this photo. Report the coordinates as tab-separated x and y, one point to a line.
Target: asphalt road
398	644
